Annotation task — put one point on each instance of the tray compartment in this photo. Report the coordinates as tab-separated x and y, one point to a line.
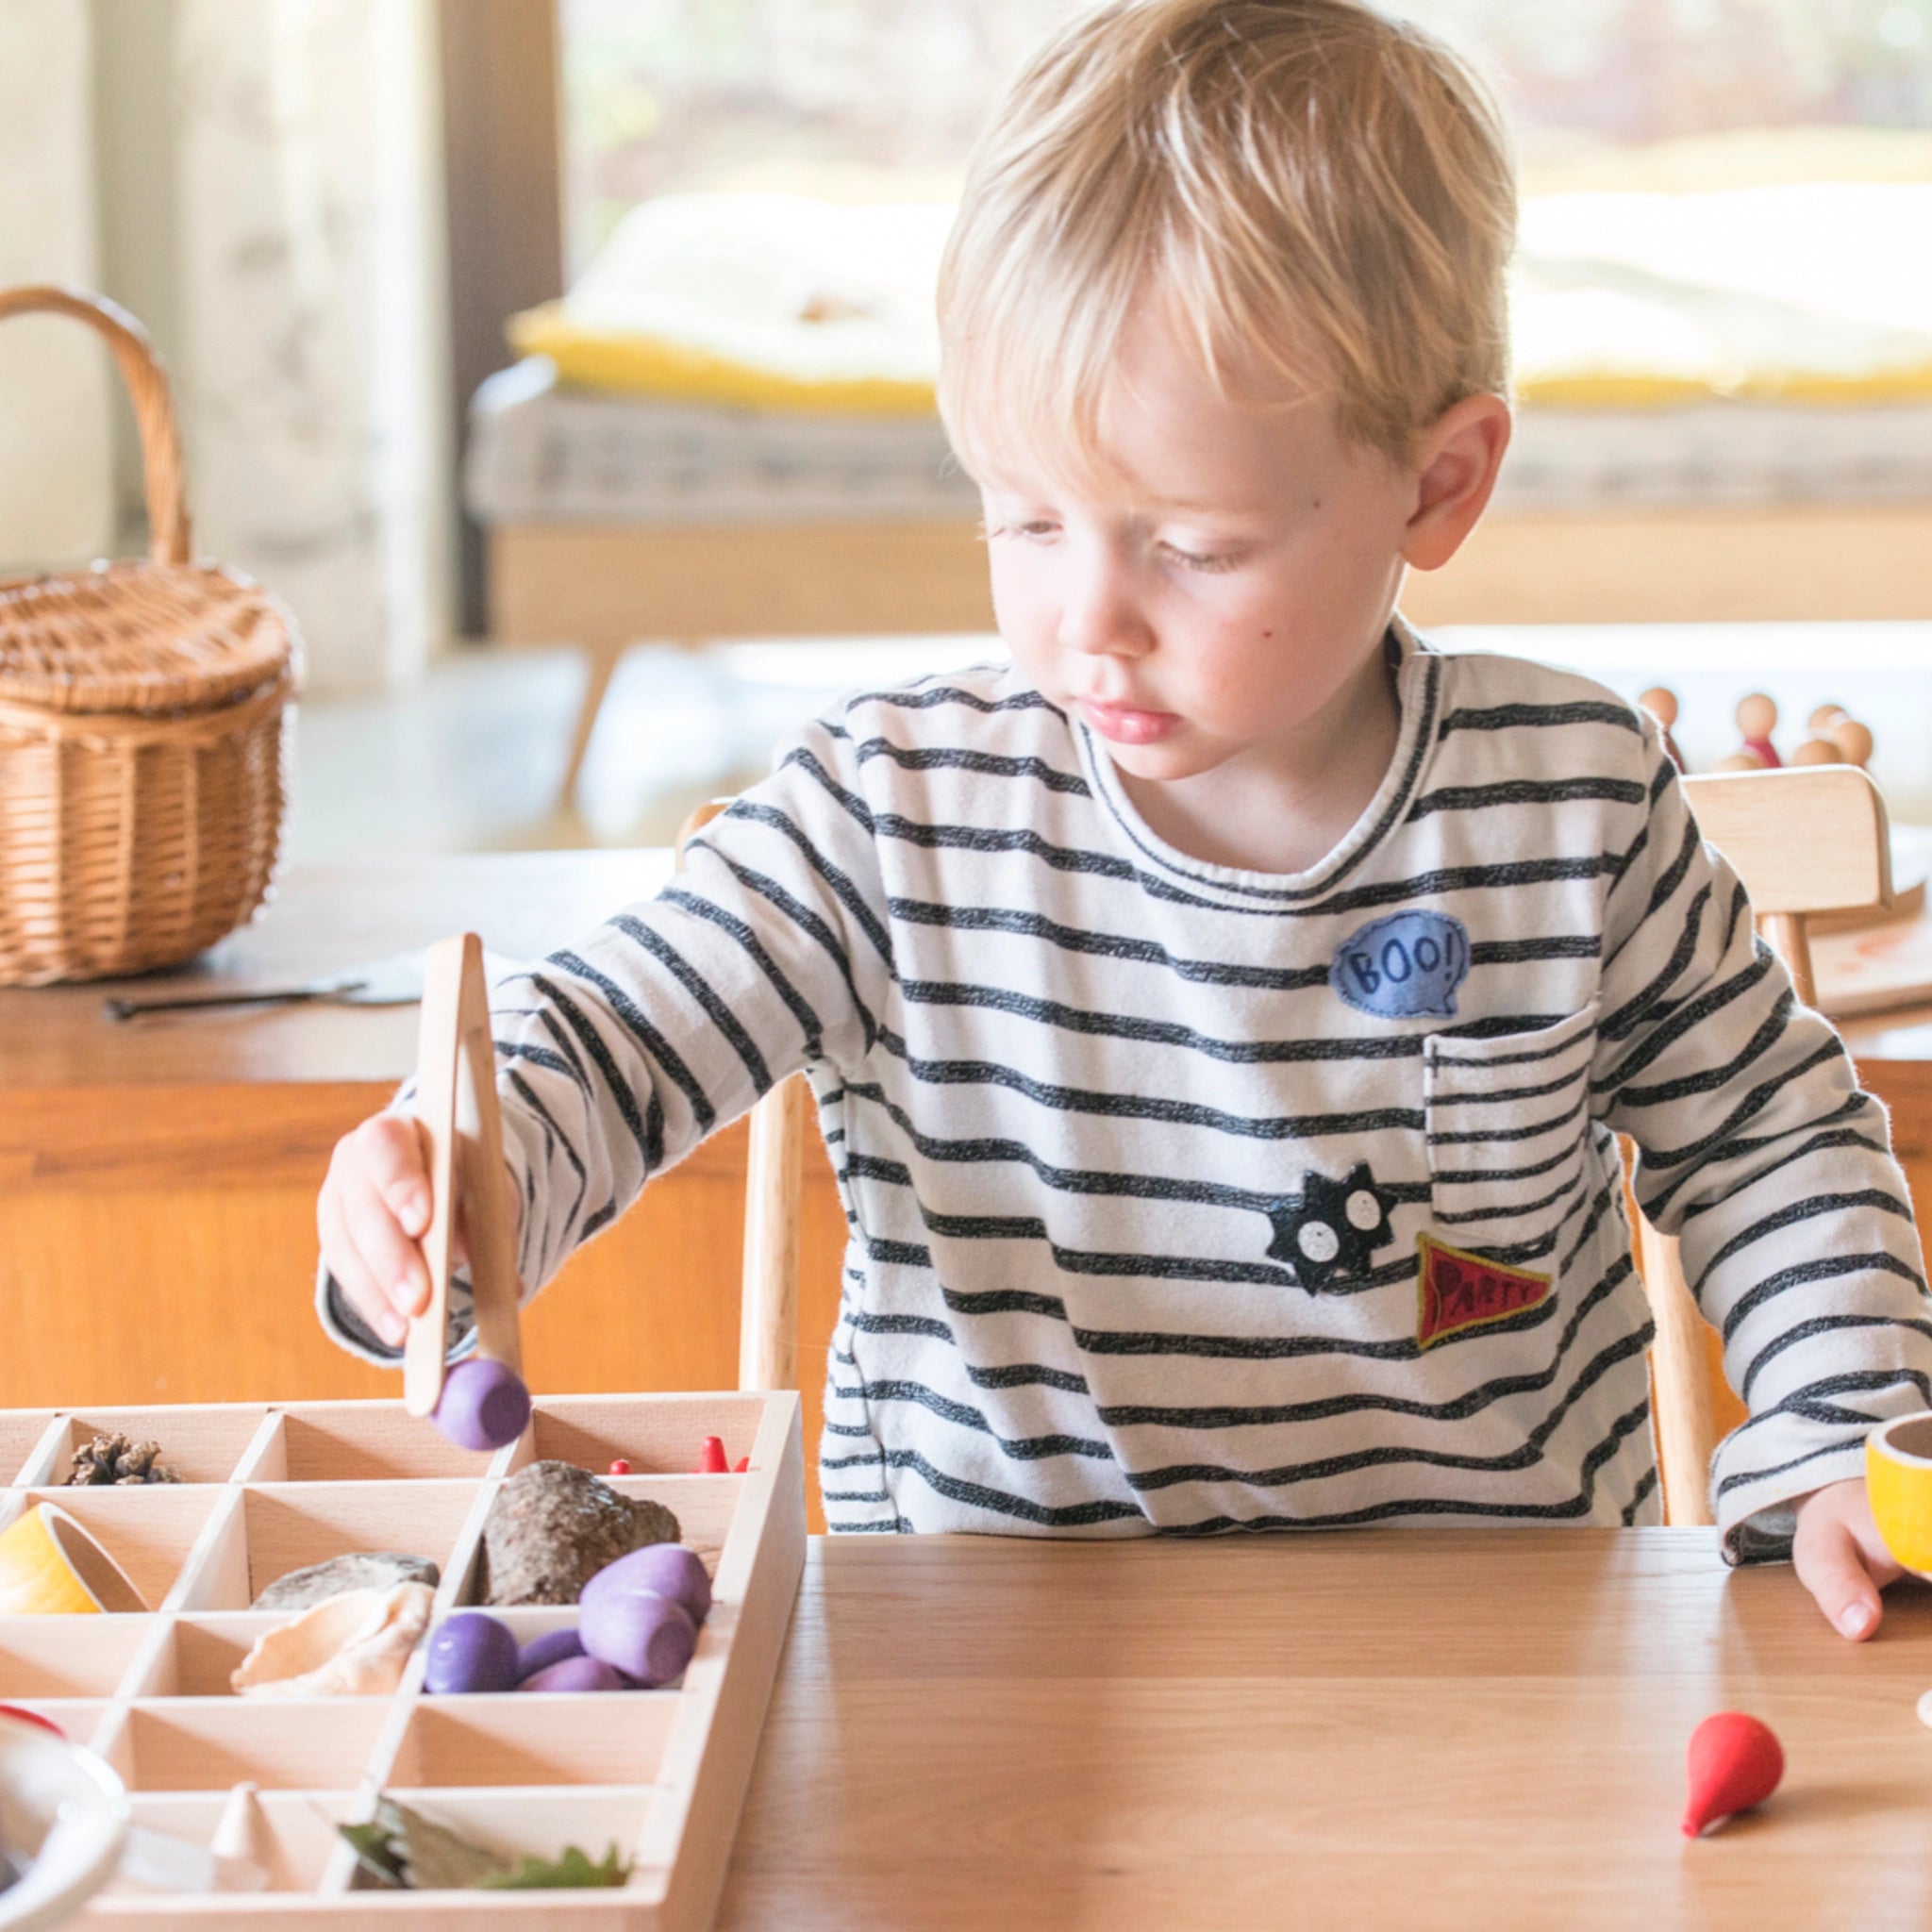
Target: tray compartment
81	1718
21	1430
150	1531
300	1829
535	1824
360	1442
525	1738
209	1743
702	1504
204	1444
68	1656
198	1652
282	1527
661	1436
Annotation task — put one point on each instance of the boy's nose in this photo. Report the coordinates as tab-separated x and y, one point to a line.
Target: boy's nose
1101	617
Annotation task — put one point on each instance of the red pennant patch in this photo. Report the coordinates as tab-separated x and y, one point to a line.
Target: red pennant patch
1458	1291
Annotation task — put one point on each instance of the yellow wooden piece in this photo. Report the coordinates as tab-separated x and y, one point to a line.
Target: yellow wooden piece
50	1567
1898	1480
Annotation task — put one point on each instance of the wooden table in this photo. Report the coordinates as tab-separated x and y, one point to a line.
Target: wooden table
1404	1729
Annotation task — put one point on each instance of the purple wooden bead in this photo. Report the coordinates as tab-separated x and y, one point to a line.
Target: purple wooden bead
484	1404
646	1636
667	1569
550	1648
575	1673
468	1652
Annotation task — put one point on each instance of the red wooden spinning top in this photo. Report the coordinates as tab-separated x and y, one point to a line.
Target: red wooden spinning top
1735	1763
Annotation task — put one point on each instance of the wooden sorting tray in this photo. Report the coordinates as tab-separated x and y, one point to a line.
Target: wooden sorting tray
267	1489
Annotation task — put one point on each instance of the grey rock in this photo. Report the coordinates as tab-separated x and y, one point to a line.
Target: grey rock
360	1569
554	1525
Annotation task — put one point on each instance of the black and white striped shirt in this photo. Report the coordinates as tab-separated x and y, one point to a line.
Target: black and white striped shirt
1184	1198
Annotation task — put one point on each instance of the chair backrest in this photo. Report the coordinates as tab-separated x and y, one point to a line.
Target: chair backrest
773	1184
1804	839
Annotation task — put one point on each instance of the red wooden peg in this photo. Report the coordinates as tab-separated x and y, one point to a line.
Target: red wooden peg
711	1460
1735	1763
742	1464
620	1467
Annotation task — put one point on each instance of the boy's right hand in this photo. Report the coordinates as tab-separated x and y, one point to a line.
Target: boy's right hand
372	1215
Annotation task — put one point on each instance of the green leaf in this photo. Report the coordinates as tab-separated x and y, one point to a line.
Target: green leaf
571	1868
375	1855
404	1850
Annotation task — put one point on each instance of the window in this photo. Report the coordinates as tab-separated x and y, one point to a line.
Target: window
866	99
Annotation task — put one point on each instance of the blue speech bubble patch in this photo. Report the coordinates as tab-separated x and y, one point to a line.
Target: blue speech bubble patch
1407	964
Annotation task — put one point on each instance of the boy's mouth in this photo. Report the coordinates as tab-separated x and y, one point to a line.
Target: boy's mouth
1125	724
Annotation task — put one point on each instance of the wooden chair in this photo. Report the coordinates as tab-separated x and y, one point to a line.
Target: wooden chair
1805	841
773	1181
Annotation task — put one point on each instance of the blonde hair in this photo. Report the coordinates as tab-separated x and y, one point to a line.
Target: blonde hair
1322	197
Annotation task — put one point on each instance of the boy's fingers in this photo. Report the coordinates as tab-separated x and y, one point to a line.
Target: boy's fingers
398	1157
391	1257
1831	1566
350	1274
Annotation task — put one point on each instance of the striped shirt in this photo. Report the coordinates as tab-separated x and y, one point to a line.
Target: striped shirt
1184	1198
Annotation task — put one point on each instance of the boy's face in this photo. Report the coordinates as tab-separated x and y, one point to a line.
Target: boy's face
1220	607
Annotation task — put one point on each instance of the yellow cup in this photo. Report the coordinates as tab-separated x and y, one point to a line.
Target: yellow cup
1898	1481
50	1566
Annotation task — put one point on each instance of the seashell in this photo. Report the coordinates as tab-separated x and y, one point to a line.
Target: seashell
354	1645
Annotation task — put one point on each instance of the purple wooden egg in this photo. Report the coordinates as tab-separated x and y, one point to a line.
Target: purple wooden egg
484	1404
575	1673
553	1647
667	1569
646	1636
470	1651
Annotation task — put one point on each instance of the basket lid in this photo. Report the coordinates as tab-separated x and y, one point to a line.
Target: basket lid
139	636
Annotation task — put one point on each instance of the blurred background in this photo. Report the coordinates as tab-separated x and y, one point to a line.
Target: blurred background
564	365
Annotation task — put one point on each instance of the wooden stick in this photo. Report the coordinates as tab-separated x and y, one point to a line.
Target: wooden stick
1686	1423
456	1103
775	1171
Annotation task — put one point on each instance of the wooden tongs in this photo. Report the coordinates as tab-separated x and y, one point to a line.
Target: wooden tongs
455	1102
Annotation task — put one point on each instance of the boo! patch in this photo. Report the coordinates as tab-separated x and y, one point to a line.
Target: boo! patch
1457	1292
1406	964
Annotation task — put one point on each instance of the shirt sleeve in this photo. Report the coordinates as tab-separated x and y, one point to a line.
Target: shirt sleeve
1759	1150
618	1055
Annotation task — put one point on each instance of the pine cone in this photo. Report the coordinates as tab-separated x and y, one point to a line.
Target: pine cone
115	1459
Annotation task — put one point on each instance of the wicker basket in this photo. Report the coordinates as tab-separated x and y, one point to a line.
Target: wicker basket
144	709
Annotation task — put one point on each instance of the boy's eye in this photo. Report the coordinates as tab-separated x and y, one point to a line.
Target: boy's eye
1193	560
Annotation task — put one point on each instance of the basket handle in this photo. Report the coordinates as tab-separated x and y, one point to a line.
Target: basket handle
146	378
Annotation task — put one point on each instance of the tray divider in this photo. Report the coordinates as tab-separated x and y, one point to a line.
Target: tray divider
265	1458
44	1459
217	1557
464	1554
147	1654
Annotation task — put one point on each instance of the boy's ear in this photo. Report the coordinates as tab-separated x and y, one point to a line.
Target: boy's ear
1454	470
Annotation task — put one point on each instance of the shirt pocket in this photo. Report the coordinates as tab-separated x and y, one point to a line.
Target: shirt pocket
1507	1124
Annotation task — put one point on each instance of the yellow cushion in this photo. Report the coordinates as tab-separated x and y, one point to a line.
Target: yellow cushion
1809	292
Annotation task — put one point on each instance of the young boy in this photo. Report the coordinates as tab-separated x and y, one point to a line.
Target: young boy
1221	1015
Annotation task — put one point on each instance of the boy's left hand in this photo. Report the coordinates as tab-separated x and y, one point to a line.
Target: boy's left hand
1841	1559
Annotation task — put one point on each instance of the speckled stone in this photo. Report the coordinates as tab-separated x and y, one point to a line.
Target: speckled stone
554	1525
300	1589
